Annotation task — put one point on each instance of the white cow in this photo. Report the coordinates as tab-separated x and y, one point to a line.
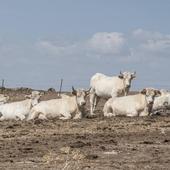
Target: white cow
133	105
105	86
3	98
161	102
64	107
19	110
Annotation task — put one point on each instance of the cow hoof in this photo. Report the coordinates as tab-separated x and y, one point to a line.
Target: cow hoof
90	116
77	118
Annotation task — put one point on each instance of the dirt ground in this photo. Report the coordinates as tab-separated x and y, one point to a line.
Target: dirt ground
91	143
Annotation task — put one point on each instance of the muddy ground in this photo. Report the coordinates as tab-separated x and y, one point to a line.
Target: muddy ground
91	143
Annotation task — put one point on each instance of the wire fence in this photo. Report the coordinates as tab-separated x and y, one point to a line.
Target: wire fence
66	84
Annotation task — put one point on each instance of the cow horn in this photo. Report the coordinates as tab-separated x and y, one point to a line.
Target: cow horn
74	91
120	75
88	91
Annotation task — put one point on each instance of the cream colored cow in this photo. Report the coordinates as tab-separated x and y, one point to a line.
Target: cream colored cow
63	108
133	105
19	110
105	86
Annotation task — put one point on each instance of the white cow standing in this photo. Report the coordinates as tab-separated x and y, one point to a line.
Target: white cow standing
3	98
19	110
134	105
105	86
64	107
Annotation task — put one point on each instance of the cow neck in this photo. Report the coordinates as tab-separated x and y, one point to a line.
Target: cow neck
75	97
31	100
148	105
145	99
124	87
76	103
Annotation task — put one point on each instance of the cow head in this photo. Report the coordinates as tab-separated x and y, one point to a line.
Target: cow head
127	78
35	96
80	96
150	94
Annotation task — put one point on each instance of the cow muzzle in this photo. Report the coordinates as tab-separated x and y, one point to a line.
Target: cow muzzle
127	86
150	102
82	103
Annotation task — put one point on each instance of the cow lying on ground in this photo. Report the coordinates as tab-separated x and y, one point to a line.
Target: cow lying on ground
3	98
134	105
64	107
162	102
19	110
105	86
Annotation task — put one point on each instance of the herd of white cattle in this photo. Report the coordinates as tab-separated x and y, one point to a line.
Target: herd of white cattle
116	88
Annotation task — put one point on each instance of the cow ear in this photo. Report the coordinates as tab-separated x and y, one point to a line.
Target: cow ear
157	93
120	76
134	75
143	91
74	92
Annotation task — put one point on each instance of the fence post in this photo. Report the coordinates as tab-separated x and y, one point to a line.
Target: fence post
2	85
61	84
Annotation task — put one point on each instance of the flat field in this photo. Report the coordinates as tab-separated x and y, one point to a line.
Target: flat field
91	143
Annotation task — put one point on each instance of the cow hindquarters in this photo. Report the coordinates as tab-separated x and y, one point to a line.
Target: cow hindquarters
107	110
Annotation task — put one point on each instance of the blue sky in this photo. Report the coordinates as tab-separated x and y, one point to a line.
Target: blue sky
42	41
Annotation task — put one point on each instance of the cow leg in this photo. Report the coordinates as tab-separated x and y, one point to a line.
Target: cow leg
144	113
108	112
132	114
65	116
93	101
96	101
20	117
107	109
2	118
42	117
32	115
78	116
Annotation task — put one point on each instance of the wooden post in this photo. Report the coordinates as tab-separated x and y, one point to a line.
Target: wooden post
3	85
61	84
3	82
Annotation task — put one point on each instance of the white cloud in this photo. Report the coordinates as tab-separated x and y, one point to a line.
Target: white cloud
154	41
140	45
107	43
55	47
100	44
143	35
157	45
